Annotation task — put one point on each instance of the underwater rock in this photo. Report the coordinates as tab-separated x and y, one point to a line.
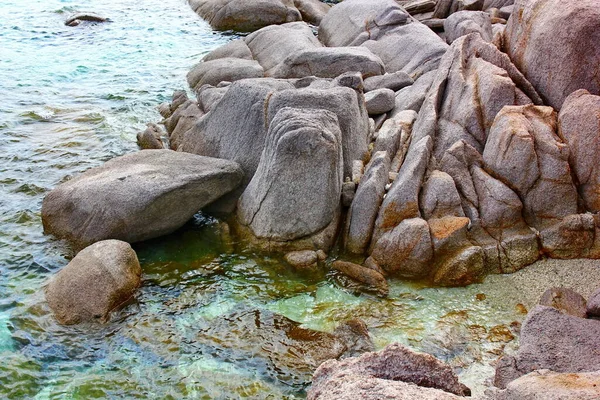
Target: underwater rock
96	281
76	19
373	279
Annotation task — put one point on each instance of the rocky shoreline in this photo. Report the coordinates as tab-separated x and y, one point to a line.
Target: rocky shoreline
433	140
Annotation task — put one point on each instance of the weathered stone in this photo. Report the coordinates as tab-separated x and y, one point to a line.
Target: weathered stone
295	194
150	138
367	276
358	168
439	197
393	364
487	4
412	97
552	340
565	300
344	102
208	96
593	305
312	11
348	191
223	69
402	200
579	127
379	101
235	49
302	260
388	137
183	119
524	152
547	385
394	81
464	22
541	32
76	19
137	196
405	251
245	15
571	237
329	62
98	279
164	109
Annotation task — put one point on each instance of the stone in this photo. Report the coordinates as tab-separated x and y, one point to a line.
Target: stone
571	237
150	138
464	22
402	200
394	81
371	278
164	109
183	119
98	280
565	300
245	15
439	197
552	340
524	151
406	251
302	260
379	101
329	62
547	385
487	4
237	48
579	128
136	197
574	29
389	137
223	69
295	194
272	45
394	364
312	11
345	103
358	168
367	200
412	97
208	96
593	305
348	191
76	19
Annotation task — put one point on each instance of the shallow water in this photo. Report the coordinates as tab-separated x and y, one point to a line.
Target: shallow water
72	98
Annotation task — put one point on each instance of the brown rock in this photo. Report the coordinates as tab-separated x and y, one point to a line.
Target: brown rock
302	259
565	300
364	275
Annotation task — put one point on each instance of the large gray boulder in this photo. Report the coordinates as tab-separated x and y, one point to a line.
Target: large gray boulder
555	44
380	101
223	69
394	81
552	340
137	196
382	372
245	15
98	279
293	200
579	127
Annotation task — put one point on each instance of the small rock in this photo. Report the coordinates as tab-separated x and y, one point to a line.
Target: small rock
565	300
380	101
303	259
394	81
364	275
348	191
150	138
593	305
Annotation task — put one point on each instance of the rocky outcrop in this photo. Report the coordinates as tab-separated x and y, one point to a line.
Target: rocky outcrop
373	374
579	128
98	279
293	200
223	69
137	196
547	385
541	32
552	340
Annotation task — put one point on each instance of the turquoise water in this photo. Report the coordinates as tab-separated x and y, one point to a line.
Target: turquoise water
72	98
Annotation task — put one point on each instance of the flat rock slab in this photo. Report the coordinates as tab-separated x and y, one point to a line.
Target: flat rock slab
137	196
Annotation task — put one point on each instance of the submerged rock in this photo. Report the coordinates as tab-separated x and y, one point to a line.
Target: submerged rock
137	196
96	281
76	19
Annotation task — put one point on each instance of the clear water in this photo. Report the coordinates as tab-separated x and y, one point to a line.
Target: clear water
72	98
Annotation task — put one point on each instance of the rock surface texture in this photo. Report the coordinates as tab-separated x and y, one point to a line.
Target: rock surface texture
96	281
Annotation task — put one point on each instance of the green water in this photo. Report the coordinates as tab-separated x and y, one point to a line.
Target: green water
72	98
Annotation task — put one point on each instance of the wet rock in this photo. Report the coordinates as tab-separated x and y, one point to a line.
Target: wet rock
579	127
565	300
303	259
329	62
76	19
136	197
245	15
539	34
373	279
288	352
223	69
552	340
98	279
379	101
405	251
150	138
378	374
464	22
593	305
394	81
547	385
293	200
524	151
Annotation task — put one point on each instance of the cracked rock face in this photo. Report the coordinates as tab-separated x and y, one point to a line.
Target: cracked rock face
295	193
